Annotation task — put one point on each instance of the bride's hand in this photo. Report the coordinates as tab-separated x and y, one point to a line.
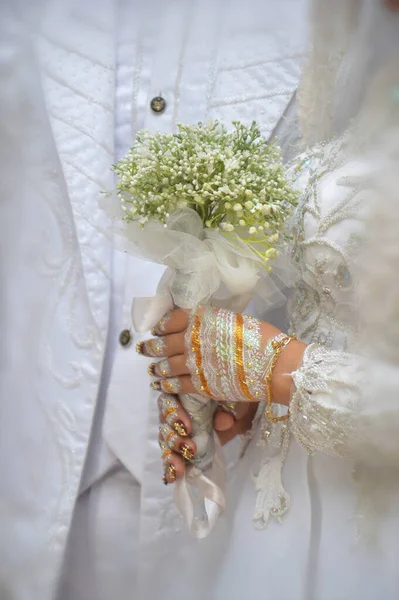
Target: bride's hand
175	429
202	353
219	354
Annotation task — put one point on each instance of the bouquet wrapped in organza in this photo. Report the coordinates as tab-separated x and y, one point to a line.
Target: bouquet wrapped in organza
211	205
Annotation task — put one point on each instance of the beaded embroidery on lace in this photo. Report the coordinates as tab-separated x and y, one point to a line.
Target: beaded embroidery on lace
321	311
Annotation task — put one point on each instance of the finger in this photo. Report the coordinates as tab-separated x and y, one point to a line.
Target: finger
229	407
223	421
174	467
245	413
174	321
169	367
175	385
226	436
168	345
172	413
184	446
173	464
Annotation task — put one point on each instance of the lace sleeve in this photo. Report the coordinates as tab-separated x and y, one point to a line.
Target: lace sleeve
347	403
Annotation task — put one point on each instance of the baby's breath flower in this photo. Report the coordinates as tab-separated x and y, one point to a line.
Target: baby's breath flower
227	227
229	177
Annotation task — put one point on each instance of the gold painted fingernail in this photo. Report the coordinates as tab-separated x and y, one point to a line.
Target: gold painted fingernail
154	332
151	369
156	386
172	473
139	347
180	428
186	452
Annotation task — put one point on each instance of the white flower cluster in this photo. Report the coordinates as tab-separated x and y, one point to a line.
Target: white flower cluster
234	180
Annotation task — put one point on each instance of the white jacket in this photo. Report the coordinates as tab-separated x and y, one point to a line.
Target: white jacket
224	60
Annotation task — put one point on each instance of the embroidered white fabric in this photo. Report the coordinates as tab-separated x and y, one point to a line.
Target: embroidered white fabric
345	402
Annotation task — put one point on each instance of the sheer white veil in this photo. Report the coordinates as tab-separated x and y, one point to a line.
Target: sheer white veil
353	69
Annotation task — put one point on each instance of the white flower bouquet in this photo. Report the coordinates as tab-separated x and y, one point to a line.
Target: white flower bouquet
210	204
234	180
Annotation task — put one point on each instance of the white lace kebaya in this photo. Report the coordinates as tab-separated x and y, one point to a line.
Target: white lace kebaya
336	405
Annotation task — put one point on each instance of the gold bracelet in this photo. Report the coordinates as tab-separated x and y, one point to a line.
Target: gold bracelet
278	346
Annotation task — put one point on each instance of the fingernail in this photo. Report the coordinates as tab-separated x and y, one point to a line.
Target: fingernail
151	369
170	473
165	481
156	386
139	347
180	428
186	452
154	332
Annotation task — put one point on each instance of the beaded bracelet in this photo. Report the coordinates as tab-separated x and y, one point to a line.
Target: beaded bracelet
278	345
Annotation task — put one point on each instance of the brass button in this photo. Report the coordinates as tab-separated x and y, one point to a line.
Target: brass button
158	104
125	337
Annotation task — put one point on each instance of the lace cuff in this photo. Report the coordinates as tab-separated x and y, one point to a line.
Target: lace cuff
346	405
